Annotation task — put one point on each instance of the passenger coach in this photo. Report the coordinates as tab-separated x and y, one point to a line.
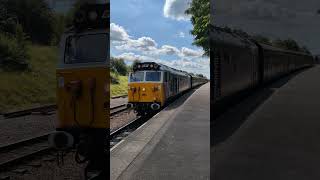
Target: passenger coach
241	64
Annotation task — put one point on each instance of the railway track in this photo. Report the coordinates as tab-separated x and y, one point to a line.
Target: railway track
17	152
48	109
45	110
118	109
117	135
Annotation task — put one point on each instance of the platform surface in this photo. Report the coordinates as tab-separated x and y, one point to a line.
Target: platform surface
280	140
172	145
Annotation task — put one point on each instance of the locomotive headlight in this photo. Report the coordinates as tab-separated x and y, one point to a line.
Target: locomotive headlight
143	89
151	65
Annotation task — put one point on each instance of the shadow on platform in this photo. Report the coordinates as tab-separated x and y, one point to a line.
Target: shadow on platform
231	120
181	99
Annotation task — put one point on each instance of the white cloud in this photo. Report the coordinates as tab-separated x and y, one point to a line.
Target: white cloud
181	34
141	44
163	50
118	33
175	9
186	52
168	50
146	45
146	49
132	56
199	65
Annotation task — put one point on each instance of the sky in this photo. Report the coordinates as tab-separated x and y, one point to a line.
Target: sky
155	30
294	19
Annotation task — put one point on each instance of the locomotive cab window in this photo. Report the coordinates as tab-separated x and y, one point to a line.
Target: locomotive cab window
136	76
79	48
153	76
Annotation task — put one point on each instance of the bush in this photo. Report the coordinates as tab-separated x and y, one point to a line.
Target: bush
35	16
114	78
13	54
119	66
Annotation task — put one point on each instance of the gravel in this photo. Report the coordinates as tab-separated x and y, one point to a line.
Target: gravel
17	129
25	127
46	168
121	119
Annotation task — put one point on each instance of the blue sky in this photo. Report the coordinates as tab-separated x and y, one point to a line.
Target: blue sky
155	30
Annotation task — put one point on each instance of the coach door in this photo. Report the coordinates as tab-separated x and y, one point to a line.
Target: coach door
178	84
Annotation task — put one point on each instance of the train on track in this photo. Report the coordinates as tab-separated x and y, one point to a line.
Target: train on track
83	94
241	64
152	85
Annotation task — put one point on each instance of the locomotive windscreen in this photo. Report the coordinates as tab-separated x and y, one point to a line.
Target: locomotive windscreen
153	76
79	49
137	76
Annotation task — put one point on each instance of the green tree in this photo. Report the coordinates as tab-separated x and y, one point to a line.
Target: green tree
288	44
291	45
35	16
119	66
279	44
200	18
241	33
13	55
136	61
13	50
305	50
200	75
262	39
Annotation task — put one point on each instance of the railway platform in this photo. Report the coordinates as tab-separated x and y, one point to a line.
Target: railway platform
279	140
174	144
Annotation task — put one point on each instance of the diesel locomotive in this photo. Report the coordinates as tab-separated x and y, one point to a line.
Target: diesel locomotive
152	85
240	64
83	95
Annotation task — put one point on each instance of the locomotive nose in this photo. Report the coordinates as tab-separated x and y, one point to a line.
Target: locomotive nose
61	140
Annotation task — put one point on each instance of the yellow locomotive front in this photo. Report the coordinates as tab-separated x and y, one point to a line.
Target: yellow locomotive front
82	82
83	96
146	90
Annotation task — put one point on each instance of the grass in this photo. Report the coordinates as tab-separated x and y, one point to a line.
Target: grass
120	88
21	90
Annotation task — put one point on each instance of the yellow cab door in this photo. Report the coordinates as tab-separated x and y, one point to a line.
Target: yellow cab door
83	81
